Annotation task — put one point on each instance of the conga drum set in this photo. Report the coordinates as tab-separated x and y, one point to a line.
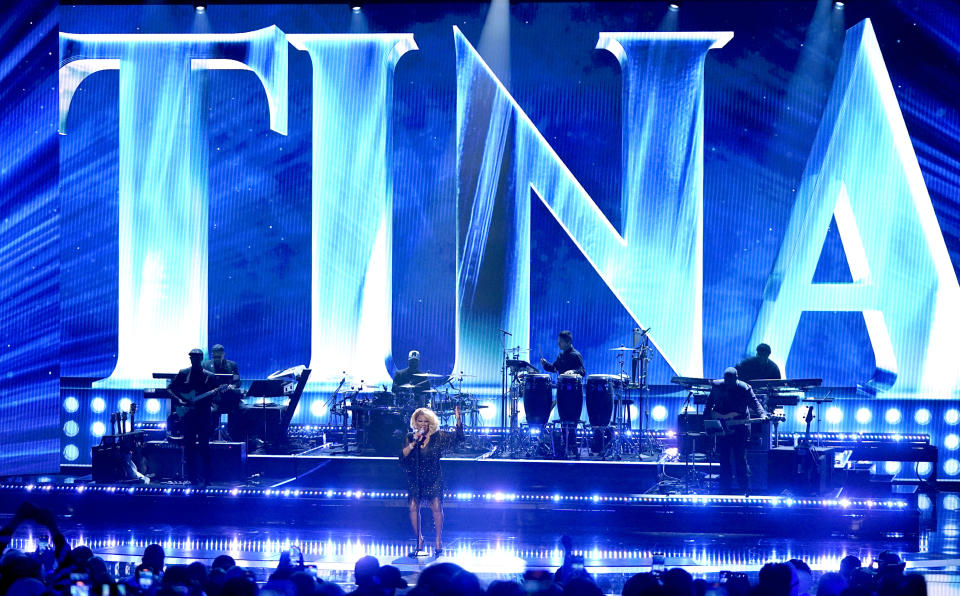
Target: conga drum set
608	429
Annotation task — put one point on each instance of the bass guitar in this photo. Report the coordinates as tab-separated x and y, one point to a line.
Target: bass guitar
725	424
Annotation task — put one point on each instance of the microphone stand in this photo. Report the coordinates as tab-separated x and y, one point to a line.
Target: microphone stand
503	377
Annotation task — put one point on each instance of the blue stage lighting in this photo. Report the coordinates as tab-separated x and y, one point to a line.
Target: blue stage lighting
125	404
98	405
951	467
951	416
924	468
891	467
834	415
659	413
98	429
153	406
951	502
71	404
892	416
951	442
70	452
864	416
922	416
71	428
318	408
490	412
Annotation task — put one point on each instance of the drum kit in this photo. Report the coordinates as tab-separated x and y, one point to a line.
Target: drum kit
381	418
608	428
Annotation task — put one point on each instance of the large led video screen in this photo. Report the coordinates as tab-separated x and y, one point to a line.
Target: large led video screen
311	184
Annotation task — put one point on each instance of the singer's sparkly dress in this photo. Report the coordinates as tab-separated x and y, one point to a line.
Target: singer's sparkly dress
424	476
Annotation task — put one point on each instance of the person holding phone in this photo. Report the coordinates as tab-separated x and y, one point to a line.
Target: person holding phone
420	457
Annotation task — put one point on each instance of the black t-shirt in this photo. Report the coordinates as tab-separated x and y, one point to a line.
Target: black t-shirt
224	367
754	368
405	376
739	398
569	359
189	381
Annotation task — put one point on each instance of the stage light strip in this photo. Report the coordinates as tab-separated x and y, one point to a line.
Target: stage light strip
301	429
492	497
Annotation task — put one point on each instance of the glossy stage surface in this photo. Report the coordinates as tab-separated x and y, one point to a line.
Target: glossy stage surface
611	554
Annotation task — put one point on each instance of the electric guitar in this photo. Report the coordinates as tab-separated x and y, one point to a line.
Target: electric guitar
191	400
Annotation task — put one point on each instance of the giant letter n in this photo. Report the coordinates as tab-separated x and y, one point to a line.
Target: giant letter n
654	267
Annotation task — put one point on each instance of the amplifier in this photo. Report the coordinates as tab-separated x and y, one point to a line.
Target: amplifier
801	470
164	460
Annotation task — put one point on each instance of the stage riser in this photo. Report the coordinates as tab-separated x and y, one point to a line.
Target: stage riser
464	475
516	518
540	477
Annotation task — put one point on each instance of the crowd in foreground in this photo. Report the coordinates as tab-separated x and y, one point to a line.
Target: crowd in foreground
55	568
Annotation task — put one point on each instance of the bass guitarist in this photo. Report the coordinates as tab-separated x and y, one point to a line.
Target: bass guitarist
193	389
733	403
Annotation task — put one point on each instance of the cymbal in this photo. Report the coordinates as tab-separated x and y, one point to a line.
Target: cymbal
430	391
622	349
428	375
407	386
463	376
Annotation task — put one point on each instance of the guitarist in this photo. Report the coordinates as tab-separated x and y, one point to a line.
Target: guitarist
193	388
732	399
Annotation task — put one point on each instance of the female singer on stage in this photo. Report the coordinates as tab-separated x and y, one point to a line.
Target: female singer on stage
421	458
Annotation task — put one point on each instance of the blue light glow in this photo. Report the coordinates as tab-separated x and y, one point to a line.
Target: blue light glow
922	417
951	441
951	467
153	406
834	415
892	416
864	416
318	407
951	416
71	404
71	428
98	429
98	405
891	467
659	413
70	452
125	404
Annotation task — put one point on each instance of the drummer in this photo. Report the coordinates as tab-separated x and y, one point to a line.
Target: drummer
406	376
569	361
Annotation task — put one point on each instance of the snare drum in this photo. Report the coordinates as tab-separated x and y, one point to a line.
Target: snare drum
569	398
601	390
537	398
